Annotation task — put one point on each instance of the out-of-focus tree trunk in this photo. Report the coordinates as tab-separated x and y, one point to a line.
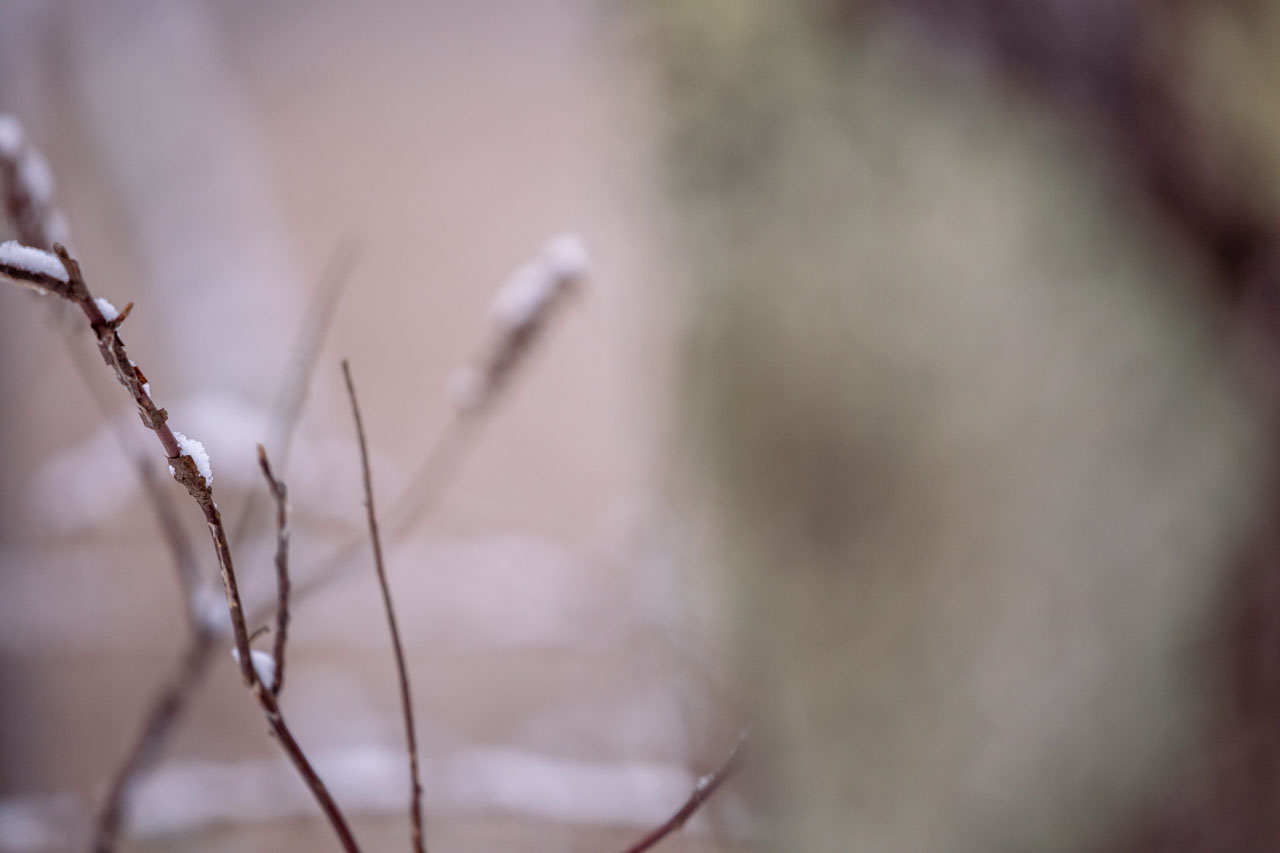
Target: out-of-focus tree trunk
965	393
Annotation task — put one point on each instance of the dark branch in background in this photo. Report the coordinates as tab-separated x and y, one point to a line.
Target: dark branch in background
702	791
168	706
523	309
165	712
26	187
406	695
513	338
281	496
287	410
71	286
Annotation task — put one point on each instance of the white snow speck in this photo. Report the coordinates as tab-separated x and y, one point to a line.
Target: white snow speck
11	136
523	295
146	388
108	310
532	287
36	177
194	449
566	256
38	261
263	664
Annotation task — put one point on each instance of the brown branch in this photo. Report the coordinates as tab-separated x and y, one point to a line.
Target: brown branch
281	496
562	270
33	221
406	698
171	702
186	472
702	791
434	474
429	483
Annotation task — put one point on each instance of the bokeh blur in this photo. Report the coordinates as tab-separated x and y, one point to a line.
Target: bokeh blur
215	162
918	412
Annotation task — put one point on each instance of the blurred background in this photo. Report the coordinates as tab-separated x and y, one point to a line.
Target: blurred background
919	411
214	161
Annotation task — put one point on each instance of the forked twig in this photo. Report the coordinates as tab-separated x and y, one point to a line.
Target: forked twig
59	274
406	698
702	791
517	331
170	703
524	307
281	496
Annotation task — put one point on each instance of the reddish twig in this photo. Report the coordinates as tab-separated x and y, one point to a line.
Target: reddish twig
702	791
25	189
524	308
171	702
406	698
71	286
281	496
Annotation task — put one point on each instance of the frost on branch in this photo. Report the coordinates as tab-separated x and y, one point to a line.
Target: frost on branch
521	308
529	293
109	311
27	188
17	259
194	449
11	136
263	664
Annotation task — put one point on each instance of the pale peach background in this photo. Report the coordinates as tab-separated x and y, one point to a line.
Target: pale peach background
212	157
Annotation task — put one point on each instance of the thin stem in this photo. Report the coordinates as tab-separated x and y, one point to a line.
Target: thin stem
429	483
563	270
113	352
30	217
406	699
281	495
702	791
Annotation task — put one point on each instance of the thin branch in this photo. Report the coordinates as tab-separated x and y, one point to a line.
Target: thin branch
287	410
164	714
26	187
702	791
524	308
281	496
71	286
435	473
406	697
429	483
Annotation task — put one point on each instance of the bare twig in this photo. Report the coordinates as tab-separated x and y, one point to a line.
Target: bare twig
525	306
406	697
26	187
281	496
70	285
702	791
186	564
429	483
287	410
171	702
